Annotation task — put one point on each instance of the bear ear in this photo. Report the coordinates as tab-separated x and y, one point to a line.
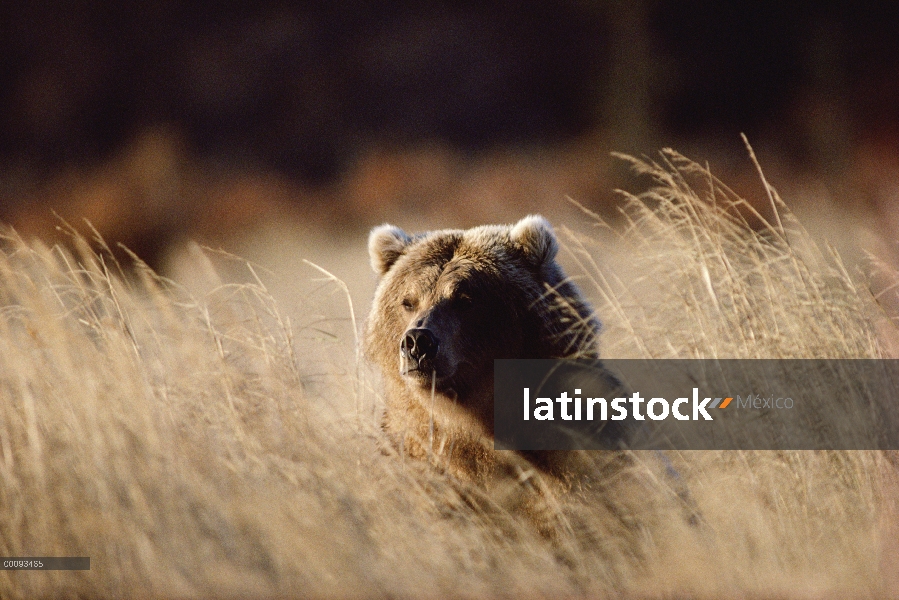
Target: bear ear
386	243
535	236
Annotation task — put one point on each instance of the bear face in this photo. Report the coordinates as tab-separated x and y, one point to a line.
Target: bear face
449	303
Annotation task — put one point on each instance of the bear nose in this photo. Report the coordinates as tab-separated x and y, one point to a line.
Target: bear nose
419	344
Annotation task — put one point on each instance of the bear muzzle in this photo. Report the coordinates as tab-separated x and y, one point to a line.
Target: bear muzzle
419	347
420	355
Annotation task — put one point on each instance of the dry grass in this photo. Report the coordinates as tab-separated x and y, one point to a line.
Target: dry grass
201	445
699	282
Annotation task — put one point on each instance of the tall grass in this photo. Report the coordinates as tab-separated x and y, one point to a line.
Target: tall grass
723	281
199	444
706	275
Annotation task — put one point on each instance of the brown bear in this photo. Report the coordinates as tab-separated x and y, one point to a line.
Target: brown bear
450	302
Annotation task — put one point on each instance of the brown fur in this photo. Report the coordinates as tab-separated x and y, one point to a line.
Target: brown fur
488	292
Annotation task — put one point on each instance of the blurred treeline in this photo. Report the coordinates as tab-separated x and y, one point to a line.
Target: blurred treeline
306	90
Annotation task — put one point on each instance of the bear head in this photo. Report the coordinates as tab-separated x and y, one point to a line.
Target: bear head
450	302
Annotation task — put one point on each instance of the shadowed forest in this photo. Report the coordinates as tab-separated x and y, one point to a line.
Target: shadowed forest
167	121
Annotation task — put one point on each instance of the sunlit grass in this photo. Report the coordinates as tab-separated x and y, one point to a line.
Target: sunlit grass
202	444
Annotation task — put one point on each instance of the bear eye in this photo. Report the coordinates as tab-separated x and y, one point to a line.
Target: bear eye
464	301
408	304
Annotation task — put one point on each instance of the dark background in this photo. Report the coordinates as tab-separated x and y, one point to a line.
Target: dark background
305	91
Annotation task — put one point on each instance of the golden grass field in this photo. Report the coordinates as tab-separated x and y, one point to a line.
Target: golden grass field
194	441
